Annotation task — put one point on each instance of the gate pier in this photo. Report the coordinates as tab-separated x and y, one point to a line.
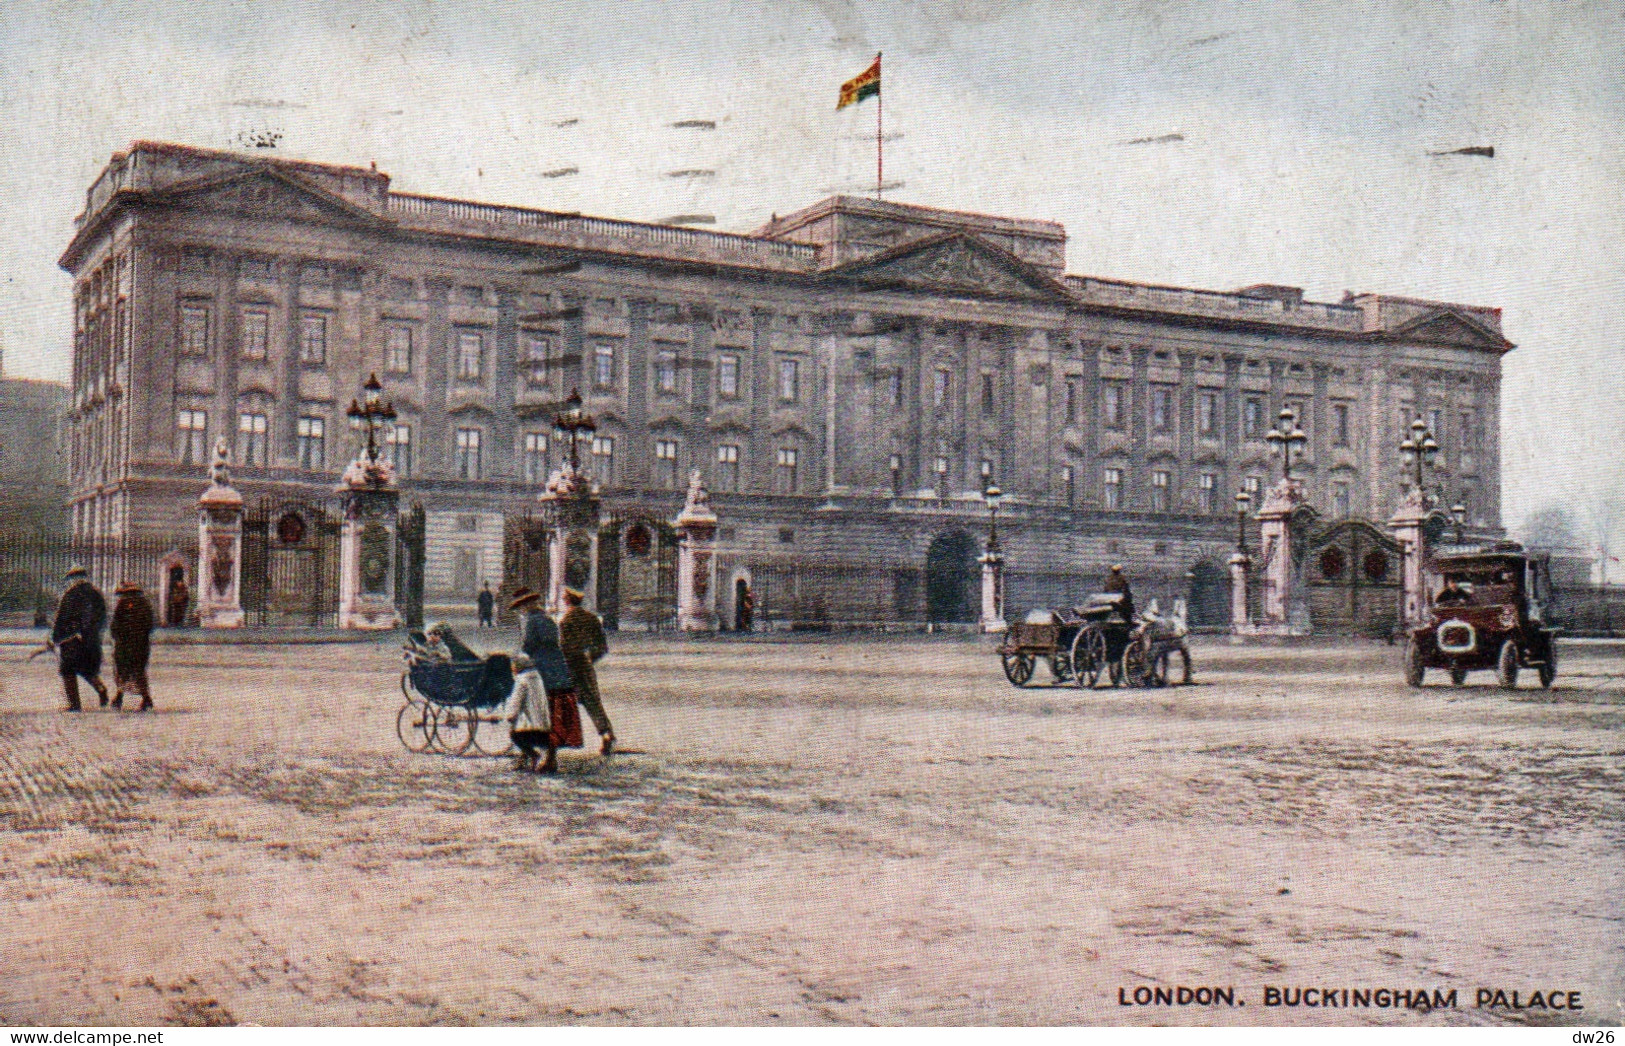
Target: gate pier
570	512
220	547
367	545
696	560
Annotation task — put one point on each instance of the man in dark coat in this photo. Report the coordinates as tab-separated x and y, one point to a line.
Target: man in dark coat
486	604
1117	582
581	637
132	643
77	634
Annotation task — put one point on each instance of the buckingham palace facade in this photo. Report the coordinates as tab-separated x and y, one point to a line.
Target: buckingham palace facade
847	379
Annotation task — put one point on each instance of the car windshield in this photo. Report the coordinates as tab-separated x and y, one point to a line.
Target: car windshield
1488	587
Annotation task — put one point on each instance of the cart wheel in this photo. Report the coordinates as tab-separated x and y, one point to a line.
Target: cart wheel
454	729
1413	663
414	725
1018	668
1458	676
1088	655
493	738
1548	669
1506	666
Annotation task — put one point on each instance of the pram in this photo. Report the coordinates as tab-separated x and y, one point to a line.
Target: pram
450	692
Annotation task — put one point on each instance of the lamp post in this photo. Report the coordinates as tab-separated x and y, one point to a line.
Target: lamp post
1419	450
370	411
1284	437
1243	500
572	423
993	495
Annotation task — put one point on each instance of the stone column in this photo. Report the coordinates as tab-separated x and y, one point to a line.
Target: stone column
1240	622
992	591
1275	534
696	560
570	510
219	548
367	545
1407	524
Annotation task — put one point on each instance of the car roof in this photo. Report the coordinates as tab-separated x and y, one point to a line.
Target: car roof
1468	560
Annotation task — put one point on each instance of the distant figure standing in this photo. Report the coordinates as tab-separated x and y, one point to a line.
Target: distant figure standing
486	603
180	596
131	629
77	634
745	618
581	636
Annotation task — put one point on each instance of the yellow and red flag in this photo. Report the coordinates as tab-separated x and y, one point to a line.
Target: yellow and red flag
865	85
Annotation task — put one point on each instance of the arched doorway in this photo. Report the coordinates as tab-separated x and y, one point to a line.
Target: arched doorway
951	578
1209	596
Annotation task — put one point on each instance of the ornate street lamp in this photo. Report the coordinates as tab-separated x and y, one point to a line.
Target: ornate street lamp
1284	437
993	495
1243	499
1458	512
573	423
371	412
1419	450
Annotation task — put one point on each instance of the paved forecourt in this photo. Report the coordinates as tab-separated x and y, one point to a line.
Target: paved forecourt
823	830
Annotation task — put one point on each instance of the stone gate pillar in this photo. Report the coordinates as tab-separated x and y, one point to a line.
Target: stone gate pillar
220	547
1240	616
696	560
992	591
367	545
1279	615
570	511
1408	525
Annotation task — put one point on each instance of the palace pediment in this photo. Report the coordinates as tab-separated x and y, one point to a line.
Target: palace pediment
954	263
1448	327
266	192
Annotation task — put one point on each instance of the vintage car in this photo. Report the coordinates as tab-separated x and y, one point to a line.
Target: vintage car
1490	611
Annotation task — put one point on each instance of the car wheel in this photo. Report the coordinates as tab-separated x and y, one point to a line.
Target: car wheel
1458	676
1413	663
1506	666
1548	670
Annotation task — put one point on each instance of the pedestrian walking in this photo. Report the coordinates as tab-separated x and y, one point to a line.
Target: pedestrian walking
531	718
77	636
132	643
486	604
581	636
539	640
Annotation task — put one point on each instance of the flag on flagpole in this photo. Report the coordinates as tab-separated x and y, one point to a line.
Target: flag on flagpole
865	85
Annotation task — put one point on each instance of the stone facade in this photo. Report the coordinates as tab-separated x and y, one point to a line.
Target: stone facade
33	468
847	379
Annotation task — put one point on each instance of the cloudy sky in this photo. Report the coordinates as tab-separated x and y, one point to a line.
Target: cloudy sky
1296	142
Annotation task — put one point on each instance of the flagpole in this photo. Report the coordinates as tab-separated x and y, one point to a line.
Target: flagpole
880	141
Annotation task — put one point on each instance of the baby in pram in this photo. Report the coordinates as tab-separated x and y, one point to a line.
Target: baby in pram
440	643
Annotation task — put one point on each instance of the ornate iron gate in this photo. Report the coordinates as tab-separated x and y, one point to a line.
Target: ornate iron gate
637	573
1355	574
291	564
410	533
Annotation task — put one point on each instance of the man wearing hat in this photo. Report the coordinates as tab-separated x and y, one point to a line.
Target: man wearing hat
581	635
77	635
132	643
1118	582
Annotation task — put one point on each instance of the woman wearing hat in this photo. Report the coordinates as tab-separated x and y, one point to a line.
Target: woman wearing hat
539	638
132	643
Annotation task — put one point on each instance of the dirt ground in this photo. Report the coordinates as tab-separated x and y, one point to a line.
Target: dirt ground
815	832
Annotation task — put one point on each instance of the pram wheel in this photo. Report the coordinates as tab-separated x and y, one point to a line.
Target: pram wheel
454	729
414	725
494	738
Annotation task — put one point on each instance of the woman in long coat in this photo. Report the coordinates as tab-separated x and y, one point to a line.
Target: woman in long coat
540	641
132	643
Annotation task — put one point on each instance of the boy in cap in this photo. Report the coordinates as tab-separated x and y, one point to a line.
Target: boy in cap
132	643
77	635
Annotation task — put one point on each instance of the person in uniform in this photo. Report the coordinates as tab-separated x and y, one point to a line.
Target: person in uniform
581	636
1117	582
180	597
132	643
77	635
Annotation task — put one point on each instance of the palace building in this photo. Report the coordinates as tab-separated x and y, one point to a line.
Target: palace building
848	379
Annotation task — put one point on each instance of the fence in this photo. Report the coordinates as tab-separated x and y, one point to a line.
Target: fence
33	567
1591	610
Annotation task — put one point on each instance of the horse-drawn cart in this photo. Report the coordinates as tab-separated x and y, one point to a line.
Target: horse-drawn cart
1082	644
